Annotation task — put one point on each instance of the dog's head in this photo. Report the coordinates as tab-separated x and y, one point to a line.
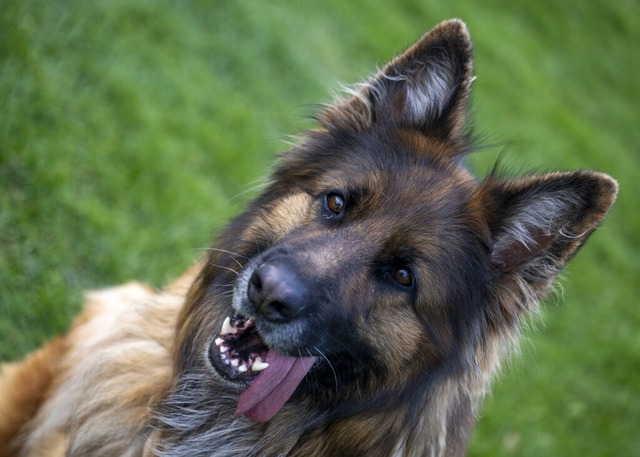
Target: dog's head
374	262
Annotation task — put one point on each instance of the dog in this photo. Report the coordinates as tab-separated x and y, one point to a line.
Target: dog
360	306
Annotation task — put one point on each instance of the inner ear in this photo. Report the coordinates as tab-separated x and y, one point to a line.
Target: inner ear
539	223
513	253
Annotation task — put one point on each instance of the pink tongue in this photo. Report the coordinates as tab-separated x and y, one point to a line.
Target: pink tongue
273	386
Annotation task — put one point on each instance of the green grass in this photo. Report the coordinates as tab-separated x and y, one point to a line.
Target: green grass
130	131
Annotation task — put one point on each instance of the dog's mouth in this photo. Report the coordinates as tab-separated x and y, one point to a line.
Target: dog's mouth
238	352
240	356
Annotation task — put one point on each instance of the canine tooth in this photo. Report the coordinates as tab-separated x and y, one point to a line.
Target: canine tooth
242	368
227	327
259	365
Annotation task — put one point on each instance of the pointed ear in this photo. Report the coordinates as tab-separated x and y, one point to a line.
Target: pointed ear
426	88
537	224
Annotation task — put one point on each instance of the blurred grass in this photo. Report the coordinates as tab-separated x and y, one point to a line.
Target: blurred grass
130	131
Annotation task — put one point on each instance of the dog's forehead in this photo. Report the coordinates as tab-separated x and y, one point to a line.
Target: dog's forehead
402	180
405	180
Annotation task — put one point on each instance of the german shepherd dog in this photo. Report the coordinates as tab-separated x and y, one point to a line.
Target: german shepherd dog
359	307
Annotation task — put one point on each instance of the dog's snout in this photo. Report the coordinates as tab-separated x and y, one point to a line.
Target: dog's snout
277	293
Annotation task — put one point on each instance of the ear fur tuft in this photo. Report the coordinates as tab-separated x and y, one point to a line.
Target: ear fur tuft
425	89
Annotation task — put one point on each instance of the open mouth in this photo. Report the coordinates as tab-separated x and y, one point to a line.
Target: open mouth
238	352
240	356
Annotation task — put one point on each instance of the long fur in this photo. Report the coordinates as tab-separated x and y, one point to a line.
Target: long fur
409	289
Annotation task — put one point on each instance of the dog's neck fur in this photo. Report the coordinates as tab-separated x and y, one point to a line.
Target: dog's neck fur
192	423
212	430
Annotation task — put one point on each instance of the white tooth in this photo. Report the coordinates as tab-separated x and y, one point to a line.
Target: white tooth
259	365
235	363
219	341
242	368
227	328
223	349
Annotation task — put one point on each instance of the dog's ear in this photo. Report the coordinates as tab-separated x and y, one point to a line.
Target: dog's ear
538	223
425	89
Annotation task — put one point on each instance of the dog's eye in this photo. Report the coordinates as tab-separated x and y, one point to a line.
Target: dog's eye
335	202
403	276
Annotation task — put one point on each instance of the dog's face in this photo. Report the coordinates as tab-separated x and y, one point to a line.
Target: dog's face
374	262
371	263
356	276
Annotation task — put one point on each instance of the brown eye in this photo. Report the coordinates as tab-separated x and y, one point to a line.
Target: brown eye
335	203
403	276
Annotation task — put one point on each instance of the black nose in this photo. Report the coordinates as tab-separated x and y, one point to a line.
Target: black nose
277	292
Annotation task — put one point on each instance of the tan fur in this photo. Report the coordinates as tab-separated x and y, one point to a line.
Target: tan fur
24	387
97	383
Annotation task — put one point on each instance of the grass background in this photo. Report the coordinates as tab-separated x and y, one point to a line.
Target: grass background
130	131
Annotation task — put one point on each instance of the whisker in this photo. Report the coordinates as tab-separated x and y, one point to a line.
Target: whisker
335	375
252	187
225	268
232	254
228	293
235	254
